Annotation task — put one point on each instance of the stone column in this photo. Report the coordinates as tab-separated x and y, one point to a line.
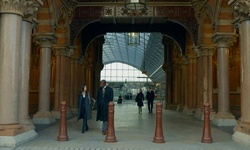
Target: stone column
24	74
12	133
188	109
44	116
199	90
10	42
223	116
242	20
205	54
61	52
74	84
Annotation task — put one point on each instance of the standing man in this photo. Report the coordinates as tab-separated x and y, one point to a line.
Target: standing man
104	96
150	97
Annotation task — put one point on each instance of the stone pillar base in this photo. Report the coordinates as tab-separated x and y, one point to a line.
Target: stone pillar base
14	141
170	106
11	129
241	138
180	108
27	125
224	119
199	114
188	111
43	117
56	114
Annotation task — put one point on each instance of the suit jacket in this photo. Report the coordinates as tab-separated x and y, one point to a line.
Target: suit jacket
102	103
150	95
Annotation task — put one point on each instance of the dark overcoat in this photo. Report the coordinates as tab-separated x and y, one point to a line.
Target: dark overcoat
140	99
88	103
102	103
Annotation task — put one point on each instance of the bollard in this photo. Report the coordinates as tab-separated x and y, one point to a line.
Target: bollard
110	135
63	136
206	137
158	127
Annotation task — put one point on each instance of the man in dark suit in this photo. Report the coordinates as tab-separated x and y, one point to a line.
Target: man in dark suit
150	97
104	96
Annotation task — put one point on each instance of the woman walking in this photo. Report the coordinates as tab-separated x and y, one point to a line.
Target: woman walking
85	104
139	99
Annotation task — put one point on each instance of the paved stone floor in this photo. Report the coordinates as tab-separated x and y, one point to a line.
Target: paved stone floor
135	131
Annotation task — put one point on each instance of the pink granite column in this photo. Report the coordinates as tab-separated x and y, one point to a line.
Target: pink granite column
223	116
44	116
61	52
24	74
194	83
199	74
187	110
205	54
242	130
10	42
11	63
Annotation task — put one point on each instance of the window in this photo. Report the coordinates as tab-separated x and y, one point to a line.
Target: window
119	72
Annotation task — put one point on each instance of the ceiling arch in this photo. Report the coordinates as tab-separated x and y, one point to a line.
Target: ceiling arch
149	55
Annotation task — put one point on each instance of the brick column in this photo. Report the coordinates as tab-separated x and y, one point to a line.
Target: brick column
242	20
44	116
223	116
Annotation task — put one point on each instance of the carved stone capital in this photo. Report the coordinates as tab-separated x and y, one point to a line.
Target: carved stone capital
12	6
198	5
30	9
241	10
45	40
62	51
190	59
224	39
205	51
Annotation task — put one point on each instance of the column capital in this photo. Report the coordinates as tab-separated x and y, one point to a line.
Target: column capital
198	5
12	6
62	51
30	10
224	39
45	39
241	10
190	58
205	51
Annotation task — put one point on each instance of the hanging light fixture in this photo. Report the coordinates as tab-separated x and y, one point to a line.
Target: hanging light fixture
135	4
133	38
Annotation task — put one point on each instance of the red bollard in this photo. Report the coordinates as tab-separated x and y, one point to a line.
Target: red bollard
206	137
110	136
63	136
158	128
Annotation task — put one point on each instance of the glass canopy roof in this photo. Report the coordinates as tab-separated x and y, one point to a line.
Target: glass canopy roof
147	55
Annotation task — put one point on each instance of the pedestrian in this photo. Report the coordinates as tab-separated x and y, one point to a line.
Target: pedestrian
139	99
104	96
85	105
119	100
150	97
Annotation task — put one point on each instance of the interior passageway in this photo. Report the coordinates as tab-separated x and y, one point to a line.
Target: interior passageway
135	131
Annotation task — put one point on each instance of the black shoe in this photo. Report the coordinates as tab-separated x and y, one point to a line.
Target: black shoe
87	128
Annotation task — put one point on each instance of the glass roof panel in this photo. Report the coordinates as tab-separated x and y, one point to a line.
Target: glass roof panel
148	55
